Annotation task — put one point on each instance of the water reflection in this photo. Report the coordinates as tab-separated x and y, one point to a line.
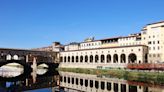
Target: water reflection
71	82
28	82
8	71
51	81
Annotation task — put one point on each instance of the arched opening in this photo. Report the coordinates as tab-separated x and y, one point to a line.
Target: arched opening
65	59
72	58
132	58
96	58
123	58
8	57
91	59
146	58
15	57
77	59
61	59
102	58
86	58
108	58
115	58
81	58
68	58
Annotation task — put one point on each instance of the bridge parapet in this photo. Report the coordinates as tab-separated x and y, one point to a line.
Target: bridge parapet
28	55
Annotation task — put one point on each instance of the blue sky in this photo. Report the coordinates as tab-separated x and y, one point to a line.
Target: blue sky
37	23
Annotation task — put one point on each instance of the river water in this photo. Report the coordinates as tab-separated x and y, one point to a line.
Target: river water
13	79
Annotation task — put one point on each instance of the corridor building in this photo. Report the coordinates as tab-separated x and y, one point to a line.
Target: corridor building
143	47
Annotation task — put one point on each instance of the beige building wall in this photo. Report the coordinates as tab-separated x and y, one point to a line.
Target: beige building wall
153	37
107	57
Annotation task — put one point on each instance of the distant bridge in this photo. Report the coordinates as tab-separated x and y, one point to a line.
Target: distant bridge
28	57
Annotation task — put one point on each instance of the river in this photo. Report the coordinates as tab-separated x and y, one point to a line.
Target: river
13	79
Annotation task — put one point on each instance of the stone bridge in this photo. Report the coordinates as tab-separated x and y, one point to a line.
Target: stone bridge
28	57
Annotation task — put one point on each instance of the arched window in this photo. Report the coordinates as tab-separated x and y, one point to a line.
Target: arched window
102	58
72	58
91	59
68	58
123	58
86	58
96	58
115	58
65	59
81	58
108	58
77	59
132	58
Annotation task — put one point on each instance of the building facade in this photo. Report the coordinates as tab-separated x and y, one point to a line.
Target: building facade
146	46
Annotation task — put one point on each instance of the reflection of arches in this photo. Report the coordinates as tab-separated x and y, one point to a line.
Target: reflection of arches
132	58
86	83
72	58
81	82
86	58
81	58
8	57
108	58
96	58
15	57
77	59
96	84
72	80
102	58
123	58
91	58
115	58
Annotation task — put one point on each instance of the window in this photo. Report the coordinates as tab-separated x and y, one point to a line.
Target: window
153	48
139	49
154	55
149	42
153	42
158	42
149	55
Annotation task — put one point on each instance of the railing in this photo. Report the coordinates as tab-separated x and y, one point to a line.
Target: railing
147	66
